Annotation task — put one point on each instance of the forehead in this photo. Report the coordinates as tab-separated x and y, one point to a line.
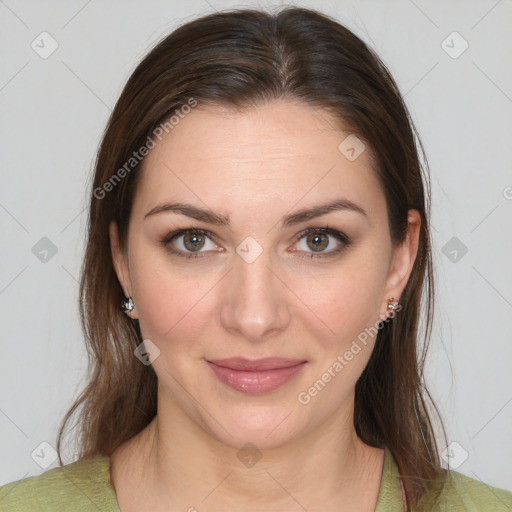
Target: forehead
281	153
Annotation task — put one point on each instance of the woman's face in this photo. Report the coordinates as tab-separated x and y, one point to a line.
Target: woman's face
260	277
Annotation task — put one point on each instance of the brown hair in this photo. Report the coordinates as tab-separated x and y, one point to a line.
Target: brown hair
244	58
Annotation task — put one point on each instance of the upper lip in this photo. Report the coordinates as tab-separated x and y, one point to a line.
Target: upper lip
254	365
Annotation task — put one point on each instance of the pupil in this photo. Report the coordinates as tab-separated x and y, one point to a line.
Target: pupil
319	241
193	241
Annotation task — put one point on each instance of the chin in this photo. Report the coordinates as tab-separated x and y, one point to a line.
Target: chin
266	427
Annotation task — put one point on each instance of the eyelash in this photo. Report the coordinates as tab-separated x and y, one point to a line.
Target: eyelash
340	237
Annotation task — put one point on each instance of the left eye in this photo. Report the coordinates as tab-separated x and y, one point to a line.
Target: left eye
321	241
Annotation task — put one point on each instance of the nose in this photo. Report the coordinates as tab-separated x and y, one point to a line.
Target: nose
255	305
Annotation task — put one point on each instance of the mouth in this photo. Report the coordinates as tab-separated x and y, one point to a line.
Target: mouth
256	376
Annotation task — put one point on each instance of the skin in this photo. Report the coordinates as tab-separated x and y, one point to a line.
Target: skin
256	166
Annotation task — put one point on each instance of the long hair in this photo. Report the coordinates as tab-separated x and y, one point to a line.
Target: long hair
243	58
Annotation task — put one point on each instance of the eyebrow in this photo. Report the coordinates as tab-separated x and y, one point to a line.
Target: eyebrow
210	217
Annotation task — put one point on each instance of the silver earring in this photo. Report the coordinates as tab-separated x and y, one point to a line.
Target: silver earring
127	305
392	304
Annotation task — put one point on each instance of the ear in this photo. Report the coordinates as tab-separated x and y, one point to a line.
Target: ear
120	260
403	260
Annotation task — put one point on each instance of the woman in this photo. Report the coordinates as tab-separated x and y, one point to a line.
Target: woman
258	246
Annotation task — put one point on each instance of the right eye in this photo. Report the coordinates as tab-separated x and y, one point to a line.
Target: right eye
187	242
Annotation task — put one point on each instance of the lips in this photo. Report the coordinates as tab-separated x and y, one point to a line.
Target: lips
256	376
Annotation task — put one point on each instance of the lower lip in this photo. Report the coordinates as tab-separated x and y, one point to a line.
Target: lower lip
257	381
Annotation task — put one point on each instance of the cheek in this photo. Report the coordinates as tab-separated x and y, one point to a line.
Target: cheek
171	306
344	300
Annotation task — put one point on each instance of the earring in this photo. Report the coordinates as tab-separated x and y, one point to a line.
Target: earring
392	304
127	305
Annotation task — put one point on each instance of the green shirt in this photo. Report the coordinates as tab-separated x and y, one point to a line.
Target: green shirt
85	486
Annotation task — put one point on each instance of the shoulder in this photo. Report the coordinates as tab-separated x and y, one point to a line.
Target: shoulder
81	485
465	494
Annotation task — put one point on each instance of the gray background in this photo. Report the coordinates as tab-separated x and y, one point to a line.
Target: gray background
54	109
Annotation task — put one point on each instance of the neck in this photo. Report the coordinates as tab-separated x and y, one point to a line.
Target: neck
182	465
